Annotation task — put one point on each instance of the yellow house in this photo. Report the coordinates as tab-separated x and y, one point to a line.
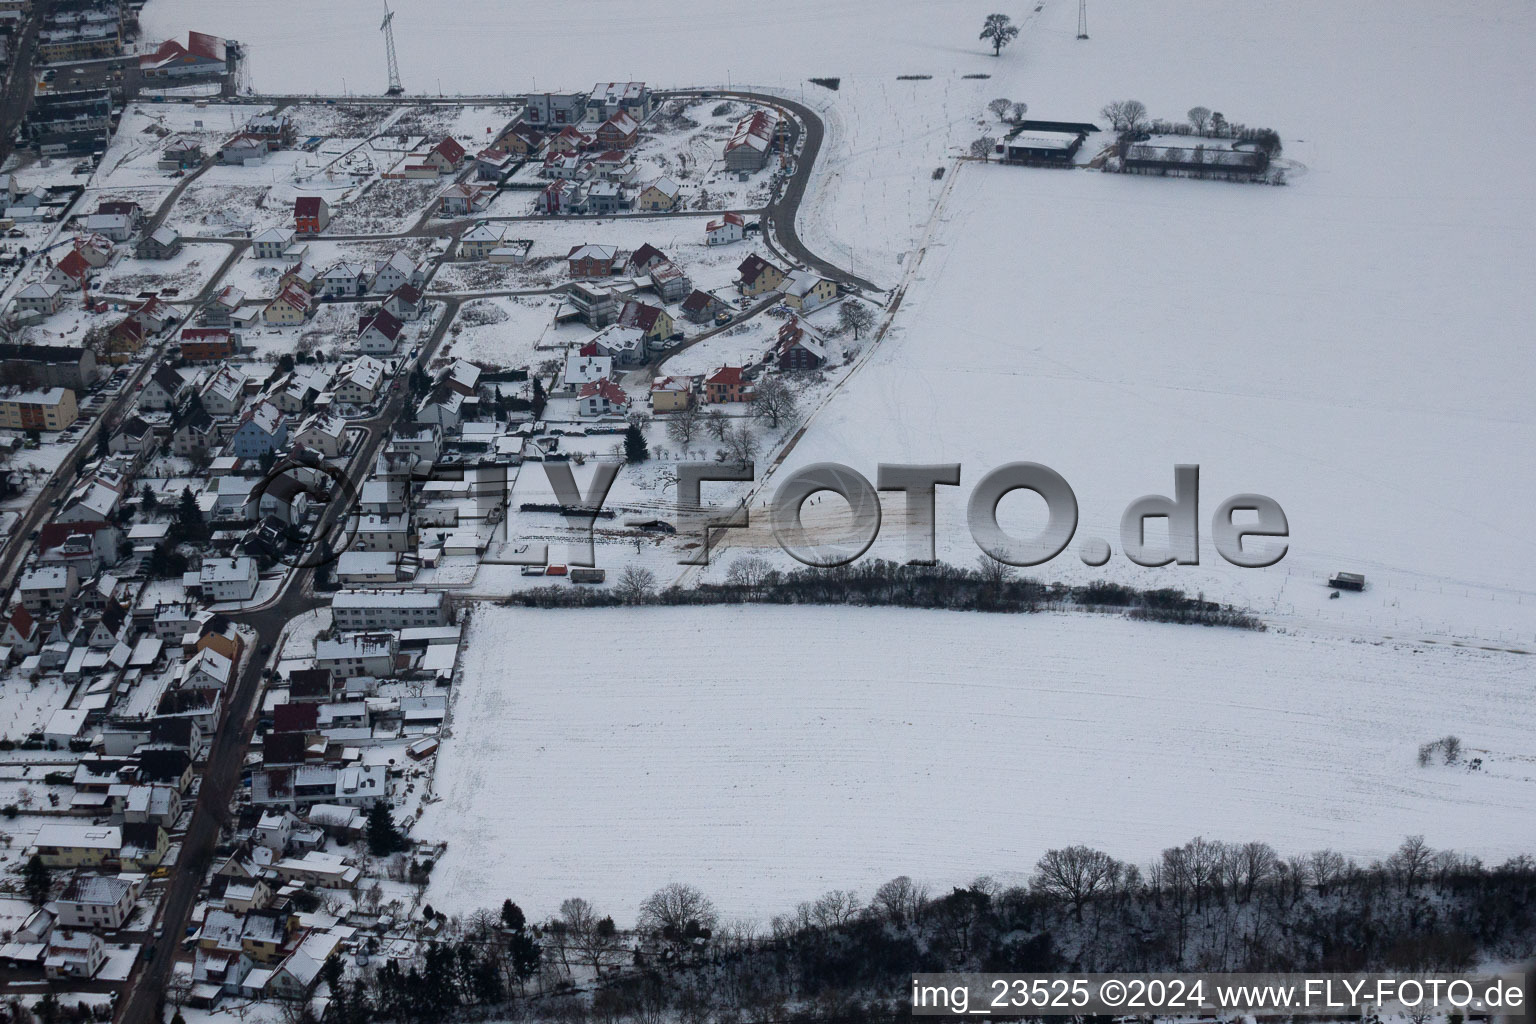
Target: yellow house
68	845
805	291
291	306
756	276
661	194
669	394
53	409
654	322
144	847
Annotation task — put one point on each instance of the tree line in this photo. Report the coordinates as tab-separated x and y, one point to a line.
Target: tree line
990	586
1204	905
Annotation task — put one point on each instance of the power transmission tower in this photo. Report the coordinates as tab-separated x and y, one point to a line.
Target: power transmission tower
388	28
1082	19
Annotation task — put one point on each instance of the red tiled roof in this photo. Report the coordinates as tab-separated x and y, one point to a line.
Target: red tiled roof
726	375
295	717
306	206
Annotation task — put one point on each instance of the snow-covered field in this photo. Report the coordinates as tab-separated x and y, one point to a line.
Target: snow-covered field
605	753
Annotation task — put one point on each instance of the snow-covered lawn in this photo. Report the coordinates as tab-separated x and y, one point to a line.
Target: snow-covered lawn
605	753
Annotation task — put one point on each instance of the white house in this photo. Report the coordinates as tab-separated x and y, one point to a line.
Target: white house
96	901
228	579
272	243
731	227
379	333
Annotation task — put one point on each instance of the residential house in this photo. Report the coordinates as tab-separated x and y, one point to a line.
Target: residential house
228	579
618	132
584	368
544	108
347	657
669	282
727	384
53	409
221	310
384	533
378	333
180	153
273	242
311	215
700	307
67	844
669	394
73	954
463	199
445	157
160	244
195	433
72	272
478	241
520	141
800	346
290	306
562	197
358	382
644	258
592	261
654	322
661	194
805	291
262	429
604	197
224	393
731	227
751	141
404	304
756	276
95	901
40	297
323	432
609	98
602	398
396	272
115	226
494	165
48	588
612	165
208	344
367	610
597	306
622	343
345	280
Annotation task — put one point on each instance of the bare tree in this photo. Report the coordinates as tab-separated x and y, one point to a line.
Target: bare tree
1000	108
853	315
750	571
992	572
999	30
1128	117
595	939
1075	875
835	909
901	901
741	443
684	423
1411	862
1325	867
671	908
774	402
1017	111
981	149
717	423
1199	117
635	584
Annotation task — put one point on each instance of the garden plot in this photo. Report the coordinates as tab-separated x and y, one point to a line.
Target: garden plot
386	207
145	128
684	141
508	331
606	770
180	277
